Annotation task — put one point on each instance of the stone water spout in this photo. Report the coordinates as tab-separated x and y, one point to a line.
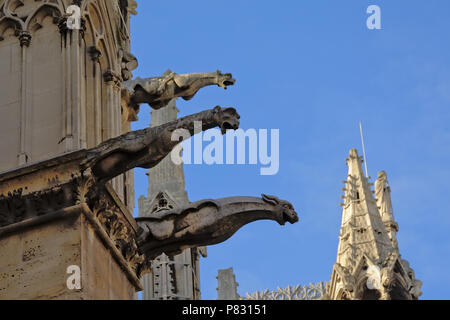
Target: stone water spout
207	222
158	91
146	148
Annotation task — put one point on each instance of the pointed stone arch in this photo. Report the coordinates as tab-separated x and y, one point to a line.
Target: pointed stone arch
9	23
34	20
161	202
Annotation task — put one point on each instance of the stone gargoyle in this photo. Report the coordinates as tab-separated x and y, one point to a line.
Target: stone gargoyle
206	222
146	148
158	92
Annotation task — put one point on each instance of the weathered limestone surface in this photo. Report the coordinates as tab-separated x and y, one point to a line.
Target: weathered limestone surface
61	89
104	277
369	265
227	290
207	222
35	262
227	285
54	224
159	91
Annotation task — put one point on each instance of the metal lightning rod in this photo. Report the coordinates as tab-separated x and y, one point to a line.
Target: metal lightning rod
364	148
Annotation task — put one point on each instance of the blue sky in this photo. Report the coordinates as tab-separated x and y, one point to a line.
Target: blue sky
313	70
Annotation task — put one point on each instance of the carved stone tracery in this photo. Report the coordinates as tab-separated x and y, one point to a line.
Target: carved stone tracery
308	292
25	17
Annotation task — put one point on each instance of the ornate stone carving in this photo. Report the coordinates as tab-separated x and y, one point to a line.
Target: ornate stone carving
146	148
111	76
310	292
207	222
24	38
162	202
108	214
414	285
83	187
128	7
383	196
129	63
12	208
120	234
345	276
158	92
94	53
368	264
17	206
27	16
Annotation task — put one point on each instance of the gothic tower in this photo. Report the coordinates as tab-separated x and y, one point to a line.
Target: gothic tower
62	64
369	264
61	82
172	277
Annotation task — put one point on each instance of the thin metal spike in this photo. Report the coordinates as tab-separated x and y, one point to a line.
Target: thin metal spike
364	148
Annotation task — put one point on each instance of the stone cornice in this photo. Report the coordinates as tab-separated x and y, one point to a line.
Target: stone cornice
30	168
49	190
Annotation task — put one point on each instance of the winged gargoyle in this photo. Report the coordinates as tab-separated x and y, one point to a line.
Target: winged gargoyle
206	222
158	92
146	148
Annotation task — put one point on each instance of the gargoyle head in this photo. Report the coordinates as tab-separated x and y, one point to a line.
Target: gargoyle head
224	79
226	119
284	209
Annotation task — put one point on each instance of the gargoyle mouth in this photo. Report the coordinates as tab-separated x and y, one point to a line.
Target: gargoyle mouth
226	119
227	125
228	81
291	217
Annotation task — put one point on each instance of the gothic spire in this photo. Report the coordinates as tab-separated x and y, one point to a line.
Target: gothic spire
362	231
368	261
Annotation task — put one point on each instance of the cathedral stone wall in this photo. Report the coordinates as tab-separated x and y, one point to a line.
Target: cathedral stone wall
60	89
35	260
33	264
9	100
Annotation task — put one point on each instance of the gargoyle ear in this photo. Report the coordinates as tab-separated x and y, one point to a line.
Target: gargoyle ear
270	199
217	109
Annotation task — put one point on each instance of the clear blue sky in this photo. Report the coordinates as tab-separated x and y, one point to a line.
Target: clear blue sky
312	69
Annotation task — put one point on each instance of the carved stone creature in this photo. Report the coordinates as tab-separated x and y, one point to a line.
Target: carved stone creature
158	92
129	63
383	195
207	222
146	148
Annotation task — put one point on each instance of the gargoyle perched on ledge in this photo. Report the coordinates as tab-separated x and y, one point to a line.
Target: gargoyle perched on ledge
146	148
158	92
207	222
